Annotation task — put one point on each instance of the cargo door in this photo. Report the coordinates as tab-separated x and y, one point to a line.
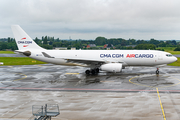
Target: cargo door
160	57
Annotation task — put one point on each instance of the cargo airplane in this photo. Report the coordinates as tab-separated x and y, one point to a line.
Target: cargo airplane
96	60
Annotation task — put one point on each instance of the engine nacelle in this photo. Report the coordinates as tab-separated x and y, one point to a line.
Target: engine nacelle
111	67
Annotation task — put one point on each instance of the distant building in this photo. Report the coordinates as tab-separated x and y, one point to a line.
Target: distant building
90	45
108	46
105	46
73	48
60	48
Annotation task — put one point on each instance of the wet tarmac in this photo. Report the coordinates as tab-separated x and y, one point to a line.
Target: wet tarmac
136	93
54	77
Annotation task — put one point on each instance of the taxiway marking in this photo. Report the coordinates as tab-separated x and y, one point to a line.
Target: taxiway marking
137	83
161	104
20	78
152	86
164	117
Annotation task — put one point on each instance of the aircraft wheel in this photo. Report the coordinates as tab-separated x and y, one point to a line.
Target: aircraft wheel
157	71
97	70
93	72
87	72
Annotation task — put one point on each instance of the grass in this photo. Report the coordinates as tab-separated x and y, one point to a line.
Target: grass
7	52
170	50
19	61
177	63
174	52
167	48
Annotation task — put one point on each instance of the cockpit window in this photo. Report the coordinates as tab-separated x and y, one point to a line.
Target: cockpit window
168	55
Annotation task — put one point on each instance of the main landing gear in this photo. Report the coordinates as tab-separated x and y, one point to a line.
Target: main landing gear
157	71
92	71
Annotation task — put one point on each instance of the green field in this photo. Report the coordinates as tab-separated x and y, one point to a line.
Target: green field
177	63
170	50
7	52
19	61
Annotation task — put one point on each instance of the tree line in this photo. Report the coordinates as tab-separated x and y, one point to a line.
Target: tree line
118	43
8	43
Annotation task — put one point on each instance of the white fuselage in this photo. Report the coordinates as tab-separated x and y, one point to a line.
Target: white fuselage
126	57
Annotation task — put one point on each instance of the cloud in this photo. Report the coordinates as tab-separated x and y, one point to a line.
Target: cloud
87	19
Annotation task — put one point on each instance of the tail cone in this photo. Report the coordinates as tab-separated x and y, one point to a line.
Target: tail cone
27	53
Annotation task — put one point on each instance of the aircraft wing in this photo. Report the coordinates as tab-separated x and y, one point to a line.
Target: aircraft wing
85	60
91	61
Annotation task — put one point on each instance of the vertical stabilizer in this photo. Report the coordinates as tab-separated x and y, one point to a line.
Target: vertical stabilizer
23	40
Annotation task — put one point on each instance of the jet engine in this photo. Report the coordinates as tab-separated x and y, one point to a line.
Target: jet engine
111	67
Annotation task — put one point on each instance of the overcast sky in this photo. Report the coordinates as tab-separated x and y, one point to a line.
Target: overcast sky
88	19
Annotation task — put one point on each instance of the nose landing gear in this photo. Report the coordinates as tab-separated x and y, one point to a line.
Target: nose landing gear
157	71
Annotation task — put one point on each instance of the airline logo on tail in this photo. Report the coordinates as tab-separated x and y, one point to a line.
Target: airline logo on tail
23	38
24	42
25	45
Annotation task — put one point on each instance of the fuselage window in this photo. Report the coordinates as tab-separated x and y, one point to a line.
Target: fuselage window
168	55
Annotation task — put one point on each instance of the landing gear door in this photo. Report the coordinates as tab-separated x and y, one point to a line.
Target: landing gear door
160	57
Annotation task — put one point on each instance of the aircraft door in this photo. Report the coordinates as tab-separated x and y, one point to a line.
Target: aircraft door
160	57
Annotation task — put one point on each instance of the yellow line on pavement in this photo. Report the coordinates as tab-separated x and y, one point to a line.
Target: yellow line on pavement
21	78
137	83
161	104
164	117
152	86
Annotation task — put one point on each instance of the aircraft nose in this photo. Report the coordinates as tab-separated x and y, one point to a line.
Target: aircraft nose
175	59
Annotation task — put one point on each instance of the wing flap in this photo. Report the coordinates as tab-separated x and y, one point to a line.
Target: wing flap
91	61
85	61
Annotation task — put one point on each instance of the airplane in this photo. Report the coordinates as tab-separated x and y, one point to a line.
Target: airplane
97	60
